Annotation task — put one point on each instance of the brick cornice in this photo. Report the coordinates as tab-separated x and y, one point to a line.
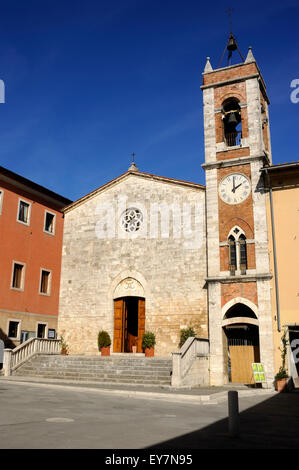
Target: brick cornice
244	278
234	161
229	81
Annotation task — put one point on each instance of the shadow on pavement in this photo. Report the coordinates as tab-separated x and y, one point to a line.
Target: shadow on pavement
274	423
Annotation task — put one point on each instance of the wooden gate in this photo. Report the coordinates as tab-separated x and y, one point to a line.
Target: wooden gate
241	358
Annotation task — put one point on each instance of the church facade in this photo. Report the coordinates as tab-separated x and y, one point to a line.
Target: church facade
150	253
134	259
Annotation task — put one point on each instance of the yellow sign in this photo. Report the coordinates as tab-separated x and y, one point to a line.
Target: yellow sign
258	372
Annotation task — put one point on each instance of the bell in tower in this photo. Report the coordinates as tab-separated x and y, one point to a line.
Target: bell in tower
231	119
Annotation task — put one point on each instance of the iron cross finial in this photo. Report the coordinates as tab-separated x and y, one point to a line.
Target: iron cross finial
133	155
229	13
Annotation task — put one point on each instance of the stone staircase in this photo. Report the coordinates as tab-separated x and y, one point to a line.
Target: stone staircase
118	369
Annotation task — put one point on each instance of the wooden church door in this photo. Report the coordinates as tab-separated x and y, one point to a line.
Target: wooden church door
141	323
118	325
121	336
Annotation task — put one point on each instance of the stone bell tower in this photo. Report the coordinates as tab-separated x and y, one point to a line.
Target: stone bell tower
237	146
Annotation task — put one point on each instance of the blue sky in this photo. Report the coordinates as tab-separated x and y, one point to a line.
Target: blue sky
89	82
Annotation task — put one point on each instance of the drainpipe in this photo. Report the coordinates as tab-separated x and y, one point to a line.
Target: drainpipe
274	253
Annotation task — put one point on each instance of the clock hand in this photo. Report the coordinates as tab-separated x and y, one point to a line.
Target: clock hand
234	188
238	186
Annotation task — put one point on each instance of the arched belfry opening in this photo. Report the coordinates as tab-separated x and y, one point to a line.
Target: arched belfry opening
241	330
232	127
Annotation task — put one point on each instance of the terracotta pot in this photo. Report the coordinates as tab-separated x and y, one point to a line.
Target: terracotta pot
281	385
105	351
134	349
149	352
64	352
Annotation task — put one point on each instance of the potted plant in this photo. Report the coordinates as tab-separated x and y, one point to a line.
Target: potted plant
185	334
104	343
63	346
148	343
281	378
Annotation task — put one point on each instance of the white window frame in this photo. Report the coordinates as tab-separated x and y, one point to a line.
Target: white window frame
18	337
54	223
49	284
46	329
1	199
20	289
29	212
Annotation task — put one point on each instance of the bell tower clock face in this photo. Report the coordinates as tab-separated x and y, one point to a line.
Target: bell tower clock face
234	188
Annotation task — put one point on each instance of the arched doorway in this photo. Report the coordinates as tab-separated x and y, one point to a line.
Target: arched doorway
129	323
241	329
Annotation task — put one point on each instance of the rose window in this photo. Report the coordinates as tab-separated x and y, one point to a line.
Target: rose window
131	220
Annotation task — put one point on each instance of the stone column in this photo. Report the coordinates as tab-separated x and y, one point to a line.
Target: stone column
176	369
218	375
7	362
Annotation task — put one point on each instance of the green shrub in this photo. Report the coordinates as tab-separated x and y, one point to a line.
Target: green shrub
63	343
104	339
148	340
185	334
281	374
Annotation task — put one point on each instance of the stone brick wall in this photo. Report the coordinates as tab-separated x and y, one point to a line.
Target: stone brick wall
171	274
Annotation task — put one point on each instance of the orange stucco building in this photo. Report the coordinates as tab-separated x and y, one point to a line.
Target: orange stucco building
31	230
282	182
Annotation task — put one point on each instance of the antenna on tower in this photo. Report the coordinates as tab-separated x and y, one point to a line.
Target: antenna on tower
231	45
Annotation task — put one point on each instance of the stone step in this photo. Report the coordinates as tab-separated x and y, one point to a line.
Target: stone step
113	379
28	368
98	367
58	360
90	374
115	370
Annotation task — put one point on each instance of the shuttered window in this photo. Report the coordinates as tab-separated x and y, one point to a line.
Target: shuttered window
23	213
17	276
49	222
45	282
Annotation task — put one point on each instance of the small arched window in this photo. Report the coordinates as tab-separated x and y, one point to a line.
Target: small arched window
237	250
243	254
232	122
232	254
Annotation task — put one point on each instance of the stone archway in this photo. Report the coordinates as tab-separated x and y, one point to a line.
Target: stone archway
241	328
128	287
129	316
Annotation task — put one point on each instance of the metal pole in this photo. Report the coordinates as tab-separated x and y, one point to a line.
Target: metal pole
274	253
233	414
